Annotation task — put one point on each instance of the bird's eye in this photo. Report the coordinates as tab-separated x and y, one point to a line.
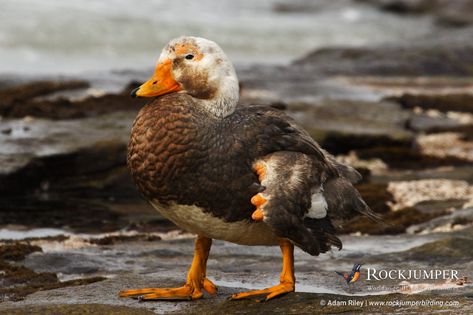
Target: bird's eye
189	56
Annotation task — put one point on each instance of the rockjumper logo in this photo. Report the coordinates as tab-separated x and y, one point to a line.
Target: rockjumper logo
353	276
408	274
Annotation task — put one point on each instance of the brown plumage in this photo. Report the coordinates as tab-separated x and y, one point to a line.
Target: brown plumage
194	153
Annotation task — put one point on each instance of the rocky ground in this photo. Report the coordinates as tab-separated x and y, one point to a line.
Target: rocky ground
74	231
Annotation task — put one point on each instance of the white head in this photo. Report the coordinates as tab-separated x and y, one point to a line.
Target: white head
198	67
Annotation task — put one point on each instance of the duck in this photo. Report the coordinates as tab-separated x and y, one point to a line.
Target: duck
246	174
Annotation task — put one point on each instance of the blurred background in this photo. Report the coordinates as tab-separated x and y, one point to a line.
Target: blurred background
63	37
386	86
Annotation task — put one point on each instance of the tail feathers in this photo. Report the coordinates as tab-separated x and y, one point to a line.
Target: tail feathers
344	201
313	236
287	225
324	232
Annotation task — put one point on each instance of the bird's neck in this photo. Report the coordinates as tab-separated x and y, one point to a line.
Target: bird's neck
224	101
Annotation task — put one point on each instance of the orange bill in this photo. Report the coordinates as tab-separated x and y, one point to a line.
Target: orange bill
162	82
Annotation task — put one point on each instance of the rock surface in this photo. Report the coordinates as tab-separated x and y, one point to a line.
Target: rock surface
36	149
456	13
235	268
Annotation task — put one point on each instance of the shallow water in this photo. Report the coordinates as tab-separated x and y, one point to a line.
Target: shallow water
53	36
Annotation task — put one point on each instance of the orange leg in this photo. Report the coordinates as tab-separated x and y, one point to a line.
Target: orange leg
287	280
195	284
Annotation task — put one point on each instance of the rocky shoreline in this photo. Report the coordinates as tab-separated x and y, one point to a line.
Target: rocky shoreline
402	115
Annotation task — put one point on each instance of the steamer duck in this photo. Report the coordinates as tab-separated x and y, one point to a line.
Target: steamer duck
243	174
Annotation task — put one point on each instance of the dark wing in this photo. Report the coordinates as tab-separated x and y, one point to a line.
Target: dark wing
270	130
267	130
304	187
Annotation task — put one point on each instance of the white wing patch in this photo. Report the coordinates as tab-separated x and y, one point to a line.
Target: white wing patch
318	209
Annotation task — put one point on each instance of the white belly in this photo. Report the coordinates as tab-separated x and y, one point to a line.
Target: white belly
194	220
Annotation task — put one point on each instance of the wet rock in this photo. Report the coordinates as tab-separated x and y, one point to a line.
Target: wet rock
429	124
442	102
77	309
440	64
451	13
410	193
53	238
23	100
428	58
376	196
113	239
395	222
298	6
447	145
17	251
12	96
393	87
70	174
40	149
20	282
237	268
67	109
64	264
414	203
61	211
440	205
306	303
365	167
341	142
432	121
410	158
455	220
464	173
6	131
271	84
450	249
403	6
455	13
293	303
340	126
17	281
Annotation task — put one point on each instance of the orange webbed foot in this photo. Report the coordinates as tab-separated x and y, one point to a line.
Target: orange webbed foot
186	292
271	292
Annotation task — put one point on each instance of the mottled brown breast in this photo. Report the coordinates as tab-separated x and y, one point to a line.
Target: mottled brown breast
179	153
